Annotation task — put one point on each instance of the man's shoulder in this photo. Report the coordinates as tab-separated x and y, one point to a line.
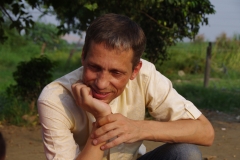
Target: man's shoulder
61	86
146	72
147	68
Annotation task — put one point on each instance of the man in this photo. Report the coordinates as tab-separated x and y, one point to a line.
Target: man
97	111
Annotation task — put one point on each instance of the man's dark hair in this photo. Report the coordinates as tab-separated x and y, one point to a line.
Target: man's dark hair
117	32
2	147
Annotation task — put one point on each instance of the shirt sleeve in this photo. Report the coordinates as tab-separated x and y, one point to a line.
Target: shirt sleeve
58	140
163	101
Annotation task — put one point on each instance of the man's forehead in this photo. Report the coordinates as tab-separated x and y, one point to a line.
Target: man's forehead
117	47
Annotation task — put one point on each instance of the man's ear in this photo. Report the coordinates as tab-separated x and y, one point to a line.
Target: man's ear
136	70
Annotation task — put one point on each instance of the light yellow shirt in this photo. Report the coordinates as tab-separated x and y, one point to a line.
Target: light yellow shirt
66	127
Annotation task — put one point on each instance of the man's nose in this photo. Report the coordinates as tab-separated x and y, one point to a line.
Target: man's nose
102	80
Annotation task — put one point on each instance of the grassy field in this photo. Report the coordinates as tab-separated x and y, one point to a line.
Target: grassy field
188	58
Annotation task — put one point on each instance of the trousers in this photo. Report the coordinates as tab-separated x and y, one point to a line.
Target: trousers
173	151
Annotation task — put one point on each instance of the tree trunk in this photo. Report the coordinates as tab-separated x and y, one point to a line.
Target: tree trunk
43	48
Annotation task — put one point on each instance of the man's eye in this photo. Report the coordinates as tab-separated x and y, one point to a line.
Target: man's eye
117	73
94	68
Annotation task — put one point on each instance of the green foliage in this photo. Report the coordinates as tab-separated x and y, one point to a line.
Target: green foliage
13	51
12	110
191	57
45	34
164	22
30	79
226	54
14	39
188	57
226	44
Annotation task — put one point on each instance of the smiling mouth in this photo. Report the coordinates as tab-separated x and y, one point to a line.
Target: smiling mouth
100	95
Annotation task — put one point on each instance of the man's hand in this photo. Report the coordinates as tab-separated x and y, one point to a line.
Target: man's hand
83	97
118	128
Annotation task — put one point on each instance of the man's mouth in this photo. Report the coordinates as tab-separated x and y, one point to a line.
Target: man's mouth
100	95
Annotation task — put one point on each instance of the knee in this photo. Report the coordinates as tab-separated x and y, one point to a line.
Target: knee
187	152
176	151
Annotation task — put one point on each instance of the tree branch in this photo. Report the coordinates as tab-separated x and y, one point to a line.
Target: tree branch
154	20
6	13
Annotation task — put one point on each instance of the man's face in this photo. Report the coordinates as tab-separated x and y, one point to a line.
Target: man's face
107	71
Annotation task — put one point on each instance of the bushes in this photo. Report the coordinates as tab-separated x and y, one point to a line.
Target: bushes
18	105
31	77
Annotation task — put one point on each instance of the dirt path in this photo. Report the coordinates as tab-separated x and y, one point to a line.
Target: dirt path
26	143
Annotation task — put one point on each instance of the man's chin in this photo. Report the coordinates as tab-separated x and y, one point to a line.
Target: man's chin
105	101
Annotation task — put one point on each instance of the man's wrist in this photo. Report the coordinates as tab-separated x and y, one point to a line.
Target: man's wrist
97	117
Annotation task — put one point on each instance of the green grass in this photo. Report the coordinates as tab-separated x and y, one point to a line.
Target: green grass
10	57
12	110
221	94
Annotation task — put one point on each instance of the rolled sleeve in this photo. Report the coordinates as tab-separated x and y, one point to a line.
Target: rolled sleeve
58	140
163	101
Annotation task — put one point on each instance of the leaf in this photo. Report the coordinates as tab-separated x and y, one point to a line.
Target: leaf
1	20
91	7
15	9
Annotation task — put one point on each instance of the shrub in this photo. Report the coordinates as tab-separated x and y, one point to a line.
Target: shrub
31	77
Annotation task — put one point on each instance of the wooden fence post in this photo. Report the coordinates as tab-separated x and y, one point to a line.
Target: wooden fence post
208	65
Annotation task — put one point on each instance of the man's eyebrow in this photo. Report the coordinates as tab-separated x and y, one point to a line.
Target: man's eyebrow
111	69
94	64
117	70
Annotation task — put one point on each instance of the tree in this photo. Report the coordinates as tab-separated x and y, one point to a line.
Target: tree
45	35
14	11
164	22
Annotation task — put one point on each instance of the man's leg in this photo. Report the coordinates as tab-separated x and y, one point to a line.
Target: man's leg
174	151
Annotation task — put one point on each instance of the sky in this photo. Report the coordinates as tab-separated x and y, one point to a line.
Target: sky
225	20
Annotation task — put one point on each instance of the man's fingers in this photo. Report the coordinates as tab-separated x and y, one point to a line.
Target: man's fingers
80	91
109	136
118	140
76	88
105	131
108	119
85	93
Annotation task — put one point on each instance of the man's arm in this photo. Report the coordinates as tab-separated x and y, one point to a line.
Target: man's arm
199	131
91	151
99	110
58	117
